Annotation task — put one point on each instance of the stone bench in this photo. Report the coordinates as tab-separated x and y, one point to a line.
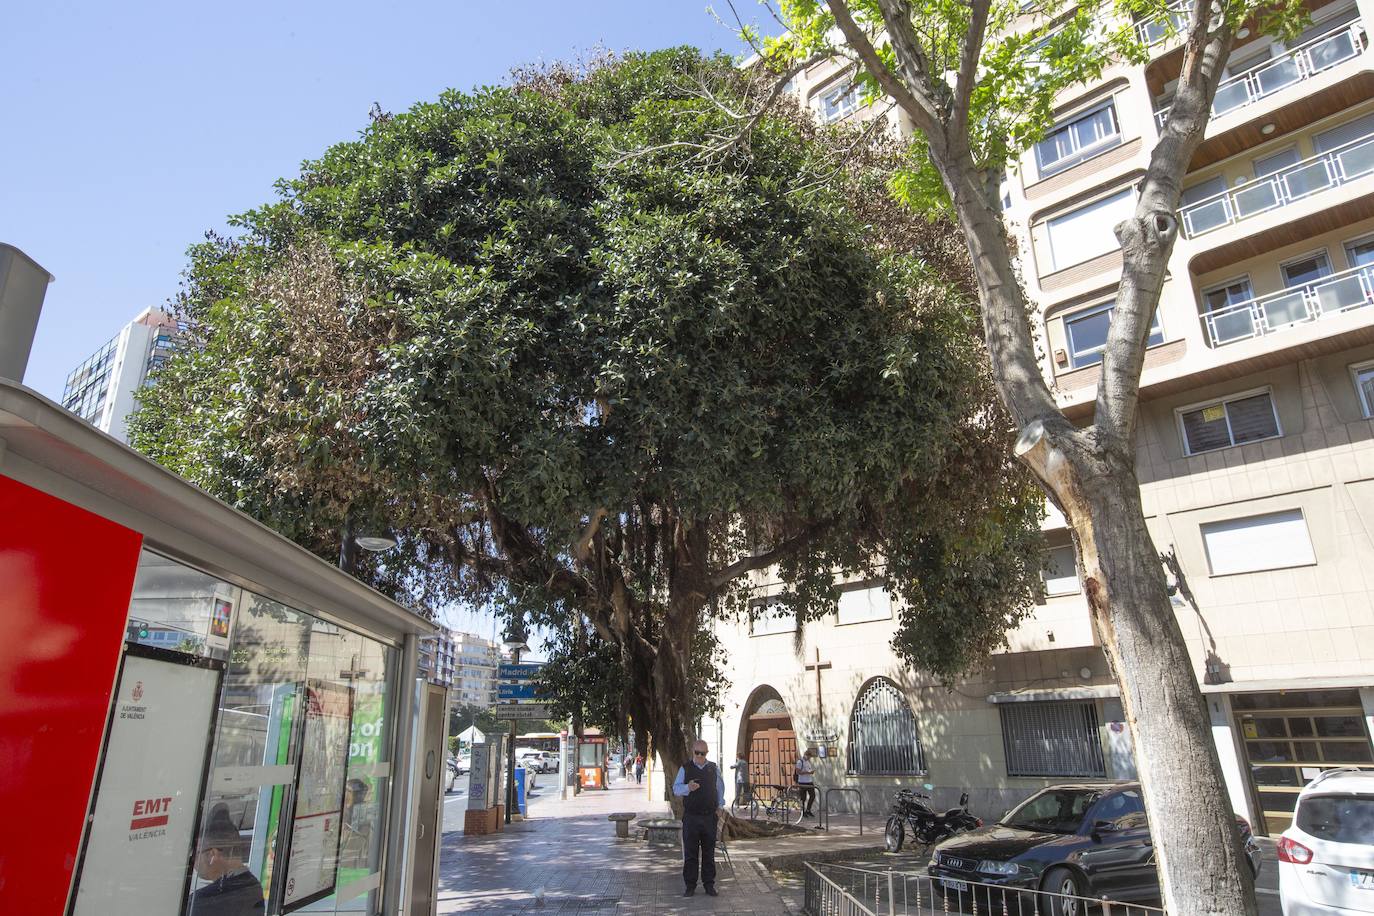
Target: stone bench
622	823
662	831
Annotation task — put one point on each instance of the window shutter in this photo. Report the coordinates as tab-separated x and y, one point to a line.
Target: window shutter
1052	739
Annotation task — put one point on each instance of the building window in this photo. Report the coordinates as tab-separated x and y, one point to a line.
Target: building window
768	616
883	737
1278	540
1364	384
1061	571
862	602
1225	295
838	102
1360	252
1083	136
1087	334
1088	231
1052	739
1232	421
1304	270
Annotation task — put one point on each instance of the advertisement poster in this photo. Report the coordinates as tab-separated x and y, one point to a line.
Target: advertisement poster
313	862
137	856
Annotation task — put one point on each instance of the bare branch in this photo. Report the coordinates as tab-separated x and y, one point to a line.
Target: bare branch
847	154
726	142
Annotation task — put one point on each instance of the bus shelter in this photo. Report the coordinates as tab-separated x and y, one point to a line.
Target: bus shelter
196	714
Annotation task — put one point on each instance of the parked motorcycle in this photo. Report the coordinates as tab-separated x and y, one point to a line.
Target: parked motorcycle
910	814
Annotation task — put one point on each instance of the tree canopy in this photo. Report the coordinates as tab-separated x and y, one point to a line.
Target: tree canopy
585	380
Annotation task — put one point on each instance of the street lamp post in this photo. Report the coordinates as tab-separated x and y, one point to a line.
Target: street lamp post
514	644
352	542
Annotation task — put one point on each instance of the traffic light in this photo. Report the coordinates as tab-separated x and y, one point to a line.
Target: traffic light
137	631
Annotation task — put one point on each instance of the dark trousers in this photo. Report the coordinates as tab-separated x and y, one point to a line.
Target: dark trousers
699	848
808	797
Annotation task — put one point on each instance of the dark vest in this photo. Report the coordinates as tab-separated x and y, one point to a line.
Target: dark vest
704	799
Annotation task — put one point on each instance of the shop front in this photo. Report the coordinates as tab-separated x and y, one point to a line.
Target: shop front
196	715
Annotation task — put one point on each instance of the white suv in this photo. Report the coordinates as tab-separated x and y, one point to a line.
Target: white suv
1326	859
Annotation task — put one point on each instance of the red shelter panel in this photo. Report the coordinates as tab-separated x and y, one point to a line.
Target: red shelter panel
66	576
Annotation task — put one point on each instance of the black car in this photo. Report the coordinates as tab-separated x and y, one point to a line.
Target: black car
1087	840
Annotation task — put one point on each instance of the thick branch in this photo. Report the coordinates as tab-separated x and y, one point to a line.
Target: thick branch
918	107
968	64
927	79
1147	238
722	577
582	549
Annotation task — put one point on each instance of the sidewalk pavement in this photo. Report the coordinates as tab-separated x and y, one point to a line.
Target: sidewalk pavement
566	859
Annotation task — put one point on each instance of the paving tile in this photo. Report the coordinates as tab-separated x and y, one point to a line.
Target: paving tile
568	853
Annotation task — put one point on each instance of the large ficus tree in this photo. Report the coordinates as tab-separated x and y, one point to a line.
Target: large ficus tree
575	377
979	79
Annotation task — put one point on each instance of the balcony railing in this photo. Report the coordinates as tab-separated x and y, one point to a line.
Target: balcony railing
1350	289
1307	59
1153	31
1302	179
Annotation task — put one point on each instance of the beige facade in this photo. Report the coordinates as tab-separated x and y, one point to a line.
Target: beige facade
1256	447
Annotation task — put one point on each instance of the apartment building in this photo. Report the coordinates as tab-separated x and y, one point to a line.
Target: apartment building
1256	454
476	661
101	389
437	658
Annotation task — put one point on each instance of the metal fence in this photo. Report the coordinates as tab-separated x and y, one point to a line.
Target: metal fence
842	890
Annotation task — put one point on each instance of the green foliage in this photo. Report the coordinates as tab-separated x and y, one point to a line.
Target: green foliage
483	325
587	682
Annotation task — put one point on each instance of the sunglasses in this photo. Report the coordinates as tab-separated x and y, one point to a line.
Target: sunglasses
698	753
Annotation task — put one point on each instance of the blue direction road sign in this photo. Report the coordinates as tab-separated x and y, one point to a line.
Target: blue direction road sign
521	672
506	692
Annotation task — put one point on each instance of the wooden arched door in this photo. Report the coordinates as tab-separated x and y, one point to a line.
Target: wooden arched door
771	745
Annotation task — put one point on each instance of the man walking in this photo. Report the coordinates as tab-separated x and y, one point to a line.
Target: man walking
700	786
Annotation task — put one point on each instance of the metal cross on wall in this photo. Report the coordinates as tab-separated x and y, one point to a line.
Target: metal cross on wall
818	667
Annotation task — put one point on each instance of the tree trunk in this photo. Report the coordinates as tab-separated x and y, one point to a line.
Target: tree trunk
1201	862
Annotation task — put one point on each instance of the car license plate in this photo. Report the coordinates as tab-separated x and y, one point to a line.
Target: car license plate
953	885
1364	880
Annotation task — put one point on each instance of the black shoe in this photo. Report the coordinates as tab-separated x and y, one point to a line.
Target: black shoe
807	814
690	891
710	891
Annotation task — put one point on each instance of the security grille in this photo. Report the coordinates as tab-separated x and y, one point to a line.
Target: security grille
1052	739
883	737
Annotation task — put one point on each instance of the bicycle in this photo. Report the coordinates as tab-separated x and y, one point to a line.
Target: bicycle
744	803
785	806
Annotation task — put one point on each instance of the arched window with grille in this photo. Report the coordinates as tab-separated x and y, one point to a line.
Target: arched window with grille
883	737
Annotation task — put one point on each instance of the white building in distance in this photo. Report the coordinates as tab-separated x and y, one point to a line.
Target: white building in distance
101	389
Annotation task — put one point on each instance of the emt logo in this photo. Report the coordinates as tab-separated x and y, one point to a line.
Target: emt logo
151	812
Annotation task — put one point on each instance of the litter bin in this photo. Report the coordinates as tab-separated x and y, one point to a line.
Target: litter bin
520	790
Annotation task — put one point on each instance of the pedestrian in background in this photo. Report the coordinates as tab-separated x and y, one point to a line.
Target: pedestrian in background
804	772
702	790
741	768
639	768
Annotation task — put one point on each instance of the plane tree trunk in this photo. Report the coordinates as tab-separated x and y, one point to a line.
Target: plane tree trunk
1090	472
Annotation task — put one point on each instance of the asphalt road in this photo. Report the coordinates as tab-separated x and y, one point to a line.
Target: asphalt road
456	802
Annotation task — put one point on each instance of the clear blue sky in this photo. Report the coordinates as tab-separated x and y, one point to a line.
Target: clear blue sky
135	127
